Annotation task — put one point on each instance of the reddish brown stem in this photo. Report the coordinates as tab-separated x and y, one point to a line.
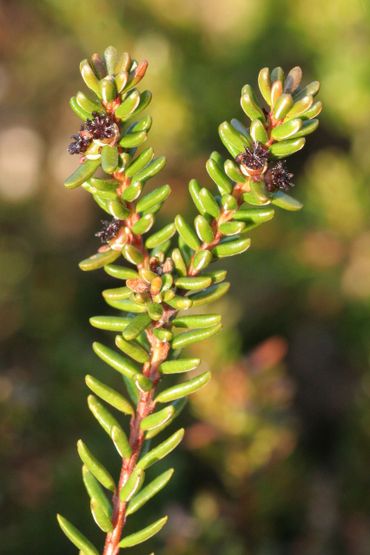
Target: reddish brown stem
144	408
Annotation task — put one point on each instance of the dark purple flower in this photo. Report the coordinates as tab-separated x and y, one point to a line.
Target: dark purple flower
109	230
254	157
278	177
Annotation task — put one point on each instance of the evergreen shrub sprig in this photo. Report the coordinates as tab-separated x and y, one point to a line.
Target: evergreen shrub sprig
168	272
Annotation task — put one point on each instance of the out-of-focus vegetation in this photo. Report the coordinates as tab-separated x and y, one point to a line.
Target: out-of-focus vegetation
284	467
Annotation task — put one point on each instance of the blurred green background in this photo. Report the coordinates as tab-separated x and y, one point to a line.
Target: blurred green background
277	455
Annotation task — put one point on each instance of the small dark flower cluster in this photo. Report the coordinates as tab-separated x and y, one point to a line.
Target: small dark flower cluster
278	177
254	157
102	126
109	230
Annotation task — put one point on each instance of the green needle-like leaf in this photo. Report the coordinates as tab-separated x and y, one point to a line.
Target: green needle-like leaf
144	534
76	537
149	491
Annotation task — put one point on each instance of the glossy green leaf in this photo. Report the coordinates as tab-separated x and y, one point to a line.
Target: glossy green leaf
143	225
109	158
194	190
153	198
179	262
89	77
193	283
264	84
88	104
186	232
155	311
194	336
157	419
132	485
133	140
286	148
109	395
121	80
161	236
258	132
300	107
140	162
231	228
180	303
178	408
232	140
309	90
110	426
132	349
117	293
120	272
127	305
98	260
136	326
144	534
150	170
183	389
250	105
209	203
108	89
216	172
132	192
286	202
161	450
95	491
195	321
257	215
211	294
94	466
110	323
103	185
314	111
163	334
122	364
179	366
117	209
127	107
203	229
150	491
287	129
201	260
217	275
82	173
111	57
231	248
145	99
76	537
282	106
233	172
100	517
132	254
123	62
78	110
308	127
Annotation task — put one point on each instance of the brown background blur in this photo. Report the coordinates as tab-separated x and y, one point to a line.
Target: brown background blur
277	455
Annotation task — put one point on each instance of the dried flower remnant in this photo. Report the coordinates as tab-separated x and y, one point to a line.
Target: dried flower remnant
80	143
254	160
100	127
109	230
278	177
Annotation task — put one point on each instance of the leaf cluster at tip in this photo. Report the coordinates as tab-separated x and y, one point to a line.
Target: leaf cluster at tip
164	273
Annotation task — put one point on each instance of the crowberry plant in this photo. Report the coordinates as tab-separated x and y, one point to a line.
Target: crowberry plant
166	275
